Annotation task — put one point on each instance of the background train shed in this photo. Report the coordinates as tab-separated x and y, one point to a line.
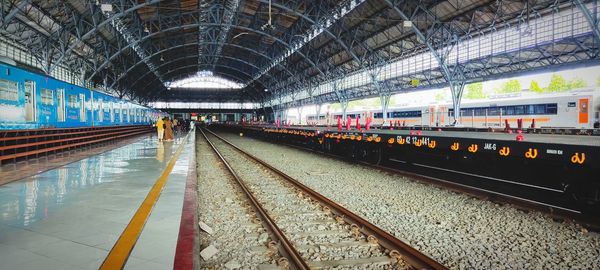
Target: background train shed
299	134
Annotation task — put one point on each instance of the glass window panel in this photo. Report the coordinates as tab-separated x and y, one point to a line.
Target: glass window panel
47	96
9	90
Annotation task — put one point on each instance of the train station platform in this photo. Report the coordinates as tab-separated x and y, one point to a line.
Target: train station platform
126	202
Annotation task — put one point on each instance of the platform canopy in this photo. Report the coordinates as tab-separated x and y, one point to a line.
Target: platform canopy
283	53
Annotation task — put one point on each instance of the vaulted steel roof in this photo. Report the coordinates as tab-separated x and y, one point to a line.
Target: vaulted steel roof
289	47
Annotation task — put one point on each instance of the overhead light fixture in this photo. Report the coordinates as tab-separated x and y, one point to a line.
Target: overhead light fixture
146	30
266	90
161	58
407	24
269	24
106	7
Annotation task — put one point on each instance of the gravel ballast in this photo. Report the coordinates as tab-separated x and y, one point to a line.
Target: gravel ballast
313	233
239	240
458	231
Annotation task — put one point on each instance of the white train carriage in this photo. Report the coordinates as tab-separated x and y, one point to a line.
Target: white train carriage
575	110
578	109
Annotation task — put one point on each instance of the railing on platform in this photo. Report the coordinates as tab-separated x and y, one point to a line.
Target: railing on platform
16	145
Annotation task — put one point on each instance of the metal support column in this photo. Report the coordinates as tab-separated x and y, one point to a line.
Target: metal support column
439	50
284	114
344	104
318	109
457	88
385	102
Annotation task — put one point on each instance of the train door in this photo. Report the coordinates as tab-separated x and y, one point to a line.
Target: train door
82	107
60	95
583	110
100	110
30	108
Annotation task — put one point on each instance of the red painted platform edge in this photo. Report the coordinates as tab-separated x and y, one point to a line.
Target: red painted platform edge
188	231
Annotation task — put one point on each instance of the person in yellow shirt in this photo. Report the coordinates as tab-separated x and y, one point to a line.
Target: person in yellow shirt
160	128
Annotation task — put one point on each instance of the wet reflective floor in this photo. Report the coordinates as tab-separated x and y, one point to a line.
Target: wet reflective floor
13	171
70	217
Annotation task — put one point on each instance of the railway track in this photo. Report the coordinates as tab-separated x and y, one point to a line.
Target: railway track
556	212
308	230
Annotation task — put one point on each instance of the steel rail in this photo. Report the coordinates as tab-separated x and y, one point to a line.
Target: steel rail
386	240
285	248
552	211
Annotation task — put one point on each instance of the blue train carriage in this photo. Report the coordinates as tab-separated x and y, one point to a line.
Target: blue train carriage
109	111
29	101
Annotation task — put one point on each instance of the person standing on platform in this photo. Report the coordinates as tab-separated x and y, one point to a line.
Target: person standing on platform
176	126
168	129
160	129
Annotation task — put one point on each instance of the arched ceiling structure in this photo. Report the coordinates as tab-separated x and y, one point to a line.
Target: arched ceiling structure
136	47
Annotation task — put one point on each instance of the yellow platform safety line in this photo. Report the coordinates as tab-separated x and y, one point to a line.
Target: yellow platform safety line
118	255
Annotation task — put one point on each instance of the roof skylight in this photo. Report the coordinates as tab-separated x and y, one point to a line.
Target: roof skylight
205	80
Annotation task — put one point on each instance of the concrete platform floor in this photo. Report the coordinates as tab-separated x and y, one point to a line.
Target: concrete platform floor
70	217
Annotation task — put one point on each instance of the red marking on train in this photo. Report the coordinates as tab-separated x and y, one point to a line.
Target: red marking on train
188	230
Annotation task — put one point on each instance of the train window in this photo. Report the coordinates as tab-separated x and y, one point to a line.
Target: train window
480	111
551	108
47	97
519	110
406	114
72	101
493	111
538	109
9	90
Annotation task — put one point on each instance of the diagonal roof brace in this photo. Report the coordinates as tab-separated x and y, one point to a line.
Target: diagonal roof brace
120	26
228	13
318	28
